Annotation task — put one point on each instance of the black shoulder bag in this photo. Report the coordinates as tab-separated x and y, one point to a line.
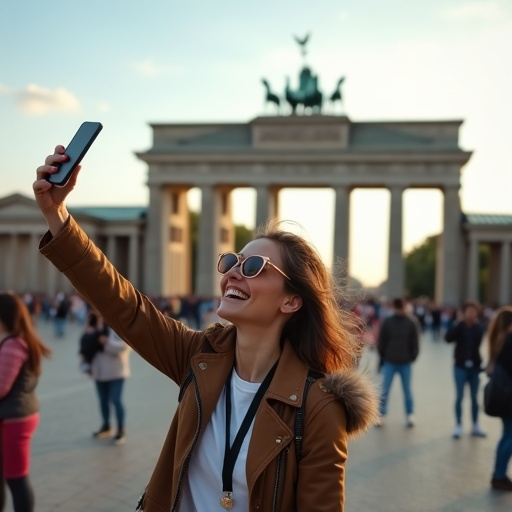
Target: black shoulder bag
498	393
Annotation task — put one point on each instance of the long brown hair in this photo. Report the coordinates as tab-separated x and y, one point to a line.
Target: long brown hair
499	327
325	332
17	321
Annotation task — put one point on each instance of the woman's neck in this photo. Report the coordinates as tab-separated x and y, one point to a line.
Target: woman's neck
255	356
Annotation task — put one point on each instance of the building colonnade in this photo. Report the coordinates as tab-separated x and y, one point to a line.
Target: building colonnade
500	271
216	235
23	268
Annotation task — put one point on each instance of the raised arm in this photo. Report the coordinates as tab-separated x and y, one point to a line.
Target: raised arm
50	198
163	342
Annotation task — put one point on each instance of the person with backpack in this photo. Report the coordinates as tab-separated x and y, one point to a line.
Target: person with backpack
232	442
90	343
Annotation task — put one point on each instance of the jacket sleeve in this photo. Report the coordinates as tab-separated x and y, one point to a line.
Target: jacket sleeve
165	343
382	340
321	479
452	334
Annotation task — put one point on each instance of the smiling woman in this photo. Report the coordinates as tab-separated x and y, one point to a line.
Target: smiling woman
238	438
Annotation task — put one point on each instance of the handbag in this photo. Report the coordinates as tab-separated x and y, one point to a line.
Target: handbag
498	393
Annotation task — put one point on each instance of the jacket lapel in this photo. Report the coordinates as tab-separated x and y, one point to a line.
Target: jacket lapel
271	433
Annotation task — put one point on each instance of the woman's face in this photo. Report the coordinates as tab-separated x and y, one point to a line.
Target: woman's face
256	300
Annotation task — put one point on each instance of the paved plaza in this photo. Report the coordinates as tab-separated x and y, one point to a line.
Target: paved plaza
391	469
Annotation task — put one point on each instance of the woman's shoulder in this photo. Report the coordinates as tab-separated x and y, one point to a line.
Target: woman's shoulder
15	346
354	391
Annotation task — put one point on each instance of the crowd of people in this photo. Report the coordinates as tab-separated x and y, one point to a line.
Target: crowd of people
395	328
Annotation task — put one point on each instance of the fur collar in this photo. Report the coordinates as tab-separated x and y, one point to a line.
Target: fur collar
359	395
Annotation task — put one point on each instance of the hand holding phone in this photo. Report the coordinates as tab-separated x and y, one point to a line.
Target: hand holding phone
75	150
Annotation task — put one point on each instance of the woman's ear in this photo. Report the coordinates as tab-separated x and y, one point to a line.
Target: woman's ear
291	304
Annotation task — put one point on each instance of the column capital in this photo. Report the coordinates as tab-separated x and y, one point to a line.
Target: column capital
396	189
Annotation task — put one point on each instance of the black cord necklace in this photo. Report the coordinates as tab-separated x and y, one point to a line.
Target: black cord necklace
231	453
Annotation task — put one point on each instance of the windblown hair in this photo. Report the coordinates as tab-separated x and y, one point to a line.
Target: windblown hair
325	332
499	327
17	321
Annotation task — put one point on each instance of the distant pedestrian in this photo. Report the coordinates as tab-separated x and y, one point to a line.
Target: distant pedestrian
435	313
467	334
21	351
110	367
61	311
500	350
398	347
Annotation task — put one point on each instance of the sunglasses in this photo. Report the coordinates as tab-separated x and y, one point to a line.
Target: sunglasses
249	267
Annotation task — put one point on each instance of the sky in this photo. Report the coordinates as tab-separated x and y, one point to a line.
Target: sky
132	63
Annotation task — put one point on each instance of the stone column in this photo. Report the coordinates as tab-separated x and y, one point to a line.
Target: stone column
12	267
133	259
492	294
504	292
206	257
342	227
179	254
111	249
156	241
34	259
472	277
396	275
266	204
216	235
53	278
448	263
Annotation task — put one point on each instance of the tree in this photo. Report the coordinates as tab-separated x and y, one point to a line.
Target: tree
243	236
420	269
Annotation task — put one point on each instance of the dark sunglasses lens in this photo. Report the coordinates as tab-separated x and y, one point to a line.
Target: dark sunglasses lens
252	265
227	262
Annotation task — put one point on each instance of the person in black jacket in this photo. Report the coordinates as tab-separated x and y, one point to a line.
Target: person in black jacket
500	350
467	334
398	347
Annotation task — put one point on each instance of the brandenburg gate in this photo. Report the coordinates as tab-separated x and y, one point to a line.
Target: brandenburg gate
270	153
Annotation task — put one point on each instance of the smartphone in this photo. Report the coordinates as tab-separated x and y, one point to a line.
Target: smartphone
76	150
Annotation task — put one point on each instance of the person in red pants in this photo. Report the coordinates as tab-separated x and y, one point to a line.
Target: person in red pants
21	351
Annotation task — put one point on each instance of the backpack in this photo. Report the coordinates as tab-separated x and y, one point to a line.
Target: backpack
90	345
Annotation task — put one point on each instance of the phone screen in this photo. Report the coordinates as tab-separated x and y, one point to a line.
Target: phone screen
76	150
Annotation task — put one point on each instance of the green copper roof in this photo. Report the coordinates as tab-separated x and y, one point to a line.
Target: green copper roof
489	219
111	213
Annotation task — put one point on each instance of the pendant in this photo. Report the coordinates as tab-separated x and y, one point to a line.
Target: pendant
227	501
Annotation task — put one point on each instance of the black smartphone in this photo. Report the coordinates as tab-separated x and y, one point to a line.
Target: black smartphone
76	150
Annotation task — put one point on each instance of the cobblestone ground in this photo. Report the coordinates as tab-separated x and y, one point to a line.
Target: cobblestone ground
391	469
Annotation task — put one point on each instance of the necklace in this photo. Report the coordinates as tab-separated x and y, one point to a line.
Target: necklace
231	453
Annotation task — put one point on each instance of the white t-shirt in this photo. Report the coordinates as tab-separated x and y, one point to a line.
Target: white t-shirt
202	490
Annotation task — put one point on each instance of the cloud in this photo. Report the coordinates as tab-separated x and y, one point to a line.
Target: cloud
4	90
103	107
479	10
151	69
36	100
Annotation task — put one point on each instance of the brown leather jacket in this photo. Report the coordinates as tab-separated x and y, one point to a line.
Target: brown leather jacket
338	406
